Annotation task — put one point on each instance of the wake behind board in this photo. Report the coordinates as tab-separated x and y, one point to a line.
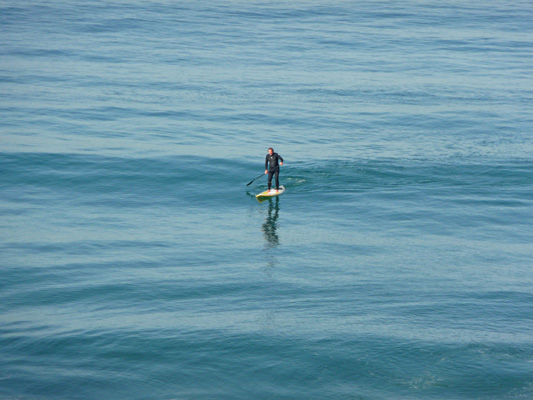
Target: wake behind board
267	194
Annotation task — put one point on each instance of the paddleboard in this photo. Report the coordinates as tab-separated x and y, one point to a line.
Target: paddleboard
267	194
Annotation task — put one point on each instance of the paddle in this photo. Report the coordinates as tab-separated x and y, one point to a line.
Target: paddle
252	181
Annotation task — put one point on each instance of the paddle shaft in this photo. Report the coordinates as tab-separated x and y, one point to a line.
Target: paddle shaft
253	180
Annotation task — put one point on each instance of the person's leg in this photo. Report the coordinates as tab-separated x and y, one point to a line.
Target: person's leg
277	179
270	174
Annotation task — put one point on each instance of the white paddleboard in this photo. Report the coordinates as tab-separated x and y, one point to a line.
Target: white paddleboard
267	194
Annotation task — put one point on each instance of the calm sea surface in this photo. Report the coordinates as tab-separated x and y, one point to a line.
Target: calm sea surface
136	264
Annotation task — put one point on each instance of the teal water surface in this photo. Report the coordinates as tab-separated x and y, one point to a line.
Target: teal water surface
136	264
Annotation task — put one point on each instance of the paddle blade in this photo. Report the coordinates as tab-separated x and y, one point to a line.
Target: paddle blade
252	181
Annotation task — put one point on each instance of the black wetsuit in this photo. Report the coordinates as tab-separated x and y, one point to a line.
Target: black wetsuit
272	166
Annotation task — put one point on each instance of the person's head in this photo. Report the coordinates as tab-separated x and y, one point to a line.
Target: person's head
270	150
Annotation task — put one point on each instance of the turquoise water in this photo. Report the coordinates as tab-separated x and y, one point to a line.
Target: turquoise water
136	263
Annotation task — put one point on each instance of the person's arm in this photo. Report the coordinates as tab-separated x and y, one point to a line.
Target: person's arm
266	164
280	159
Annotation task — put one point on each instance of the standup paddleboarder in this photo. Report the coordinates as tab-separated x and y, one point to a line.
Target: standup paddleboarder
272	163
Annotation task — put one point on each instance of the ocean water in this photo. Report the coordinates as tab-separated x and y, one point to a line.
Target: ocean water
135	262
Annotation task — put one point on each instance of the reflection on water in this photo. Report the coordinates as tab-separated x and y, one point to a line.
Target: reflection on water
270	231
269	227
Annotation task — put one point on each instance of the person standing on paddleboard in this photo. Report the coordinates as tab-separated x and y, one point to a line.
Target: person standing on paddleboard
272	164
